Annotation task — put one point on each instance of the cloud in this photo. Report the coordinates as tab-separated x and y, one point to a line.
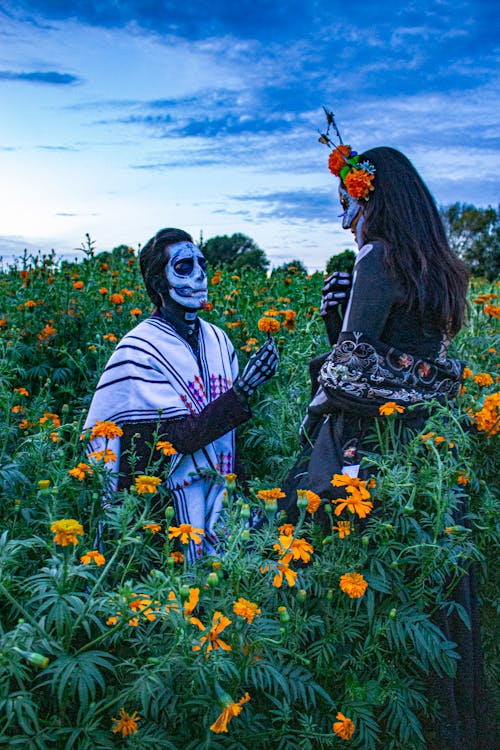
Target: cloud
43	77
294	205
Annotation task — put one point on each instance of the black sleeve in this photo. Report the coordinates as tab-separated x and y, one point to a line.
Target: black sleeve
189	434
373	295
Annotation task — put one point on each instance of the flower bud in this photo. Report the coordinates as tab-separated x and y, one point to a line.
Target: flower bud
245	535
301	595
245	511
184	592
225	499
283	613
329	595
302	501
365	541
44	484
392	613
169	513
213	579
328	509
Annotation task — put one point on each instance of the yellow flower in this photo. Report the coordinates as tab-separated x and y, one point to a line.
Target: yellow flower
81	471
93	555
105	429
343	727
126	724
488	418
230	709
166	448
219	623
344	528
353	584
66	531
186	532
146	485
467	373
246	609
142	605
390	407
284	573
44	484
270	496
152	527
313	500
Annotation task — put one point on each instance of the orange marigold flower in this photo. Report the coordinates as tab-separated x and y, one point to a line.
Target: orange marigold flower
270	496
55	437
105	429
142	605
286	529
21	391
24	424
483	379
52	417
146	485
17	409
390	407
493	310
246	609
178	557
106	454
78	285
336	161
135	311
358	183
268	325
166	448
284	573
467	373
66	531
358	500
343	727
152	527
191	601
47	332
103	290
80	471
463	478
296	549
219	623
93	556
186	533
487	419
313	500
230	709
30	303
110	337
3	322
344	528
353	584
117	299
126	724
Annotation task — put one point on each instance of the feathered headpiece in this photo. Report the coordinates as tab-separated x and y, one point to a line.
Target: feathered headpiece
343	162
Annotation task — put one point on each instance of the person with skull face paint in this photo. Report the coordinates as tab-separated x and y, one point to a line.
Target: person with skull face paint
393	318
174	378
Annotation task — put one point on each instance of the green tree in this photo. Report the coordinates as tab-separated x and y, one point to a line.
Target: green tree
343	261
474	234
292	266
234	252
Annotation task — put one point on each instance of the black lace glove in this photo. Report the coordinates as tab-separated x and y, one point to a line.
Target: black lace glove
334	300
260	367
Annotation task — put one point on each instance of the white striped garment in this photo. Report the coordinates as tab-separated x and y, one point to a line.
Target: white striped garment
153	373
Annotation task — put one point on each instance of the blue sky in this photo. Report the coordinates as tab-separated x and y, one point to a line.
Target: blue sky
118	119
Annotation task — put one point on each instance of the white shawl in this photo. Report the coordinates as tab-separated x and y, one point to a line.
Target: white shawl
152	374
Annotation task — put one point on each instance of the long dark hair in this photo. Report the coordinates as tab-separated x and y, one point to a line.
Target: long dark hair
154	257
402	214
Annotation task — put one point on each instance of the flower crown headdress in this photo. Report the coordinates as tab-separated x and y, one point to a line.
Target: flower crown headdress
343	162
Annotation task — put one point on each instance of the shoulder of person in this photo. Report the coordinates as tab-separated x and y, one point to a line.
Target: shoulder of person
370	254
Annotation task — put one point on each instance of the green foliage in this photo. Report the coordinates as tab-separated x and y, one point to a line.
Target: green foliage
79	641
234	252
343	261
474	234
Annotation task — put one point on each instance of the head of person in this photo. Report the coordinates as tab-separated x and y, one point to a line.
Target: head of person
399	211
174	270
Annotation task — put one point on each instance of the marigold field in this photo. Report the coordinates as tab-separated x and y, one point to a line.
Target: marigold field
290	638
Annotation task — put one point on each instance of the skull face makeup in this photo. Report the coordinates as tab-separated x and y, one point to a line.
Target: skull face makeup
352	218
186	273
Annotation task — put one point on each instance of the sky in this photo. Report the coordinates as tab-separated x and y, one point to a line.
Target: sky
121	118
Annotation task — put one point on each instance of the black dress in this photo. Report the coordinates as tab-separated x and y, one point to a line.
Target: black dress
377	309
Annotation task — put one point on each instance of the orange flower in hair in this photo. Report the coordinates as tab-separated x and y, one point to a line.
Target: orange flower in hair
336	160
358	183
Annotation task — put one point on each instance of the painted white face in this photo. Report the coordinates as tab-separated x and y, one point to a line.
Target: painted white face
186	273
352	218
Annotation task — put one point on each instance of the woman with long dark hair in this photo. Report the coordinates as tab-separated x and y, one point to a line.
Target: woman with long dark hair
389	325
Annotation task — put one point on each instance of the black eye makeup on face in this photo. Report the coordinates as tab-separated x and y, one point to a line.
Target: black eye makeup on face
184	267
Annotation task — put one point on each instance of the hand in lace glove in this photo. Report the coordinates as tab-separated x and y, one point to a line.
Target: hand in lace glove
260	367
335	292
